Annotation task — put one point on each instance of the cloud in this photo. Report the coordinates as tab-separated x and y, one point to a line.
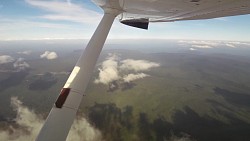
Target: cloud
54	22
69	2
132	77
6	59
213	44
137	65
113	69
82	130
22	29
230	45
200	42
49	55
240	43
17	24
201	46
192	49
20	64
109	70
29	124
66	11
225	19
27	52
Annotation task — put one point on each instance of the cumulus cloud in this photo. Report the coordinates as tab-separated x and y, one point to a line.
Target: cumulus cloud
113	71
6	59
20	64
29	124
49	55
132	77
109	70
137	65
27	52
82	130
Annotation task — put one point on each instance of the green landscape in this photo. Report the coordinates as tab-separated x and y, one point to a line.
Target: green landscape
199	95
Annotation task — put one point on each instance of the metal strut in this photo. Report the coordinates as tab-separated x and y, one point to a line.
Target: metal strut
62	115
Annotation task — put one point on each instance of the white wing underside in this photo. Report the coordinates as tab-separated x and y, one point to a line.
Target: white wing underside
175	10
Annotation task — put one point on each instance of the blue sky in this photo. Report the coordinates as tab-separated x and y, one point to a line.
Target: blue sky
77	19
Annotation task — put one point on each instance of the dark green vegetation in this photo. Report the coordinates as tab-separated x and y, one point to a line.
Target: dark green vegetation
13	80
205	97
200	95
42	82
119	124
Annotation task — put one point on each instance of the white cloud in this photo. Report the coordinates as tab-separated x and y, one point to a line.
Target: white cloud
230	45
6	59
240	43
29	124
23	29
69	2
201	46
200	42
225	19
66	11
52	25
20	64
192	49
213	44
17	24
27	52
113	69
82	130
132	77
137	65
49	55
26	119
109	70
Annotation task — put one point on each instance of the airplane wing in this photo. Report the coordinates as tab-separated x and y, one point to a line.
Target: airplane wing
137	13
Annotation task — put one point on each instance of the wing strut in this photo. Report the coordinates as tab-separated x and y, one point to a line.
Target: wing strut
62	114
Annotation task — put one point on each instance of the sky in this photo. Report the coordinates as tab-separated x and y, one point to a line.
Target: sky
78	19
